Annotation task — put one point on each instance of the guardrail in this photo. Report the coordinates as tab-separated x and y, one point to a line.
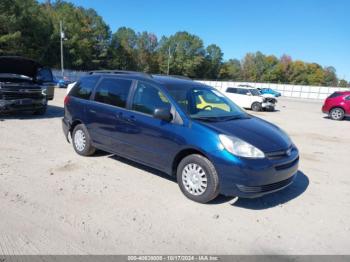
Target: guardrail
297	91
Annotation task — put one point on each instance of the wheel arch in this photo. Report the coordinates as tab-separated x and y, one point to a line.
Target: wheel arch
337	106
181	155
74	124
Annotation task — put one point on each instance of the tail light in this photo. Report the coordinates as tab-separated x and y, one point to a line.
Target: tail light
66	100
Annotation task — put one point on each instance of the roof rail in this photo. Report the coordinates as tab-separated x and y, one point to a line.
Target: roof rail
120	72
176	76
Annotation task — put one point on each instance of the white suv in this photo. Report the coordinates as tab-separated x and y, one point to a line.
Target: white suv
250	97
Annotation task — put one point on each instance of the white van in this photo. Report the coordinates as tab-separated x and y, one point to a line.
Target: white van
250	98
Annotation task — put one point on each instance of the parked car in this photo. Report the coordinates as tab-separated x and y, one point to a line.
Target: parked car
70	86
25	85
62	82
163	122
269	91
337	105
250	98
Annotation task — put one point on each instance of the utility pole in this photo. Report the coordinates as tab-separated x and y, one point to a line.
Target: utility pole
62	38
168	60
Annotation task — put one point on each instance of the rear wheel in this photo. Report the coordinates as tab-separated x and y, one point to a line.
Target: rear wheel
256	106
337	113
81	141
197	178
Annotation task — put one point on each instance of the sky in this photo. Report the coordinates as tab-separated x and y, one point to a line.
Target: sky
309	30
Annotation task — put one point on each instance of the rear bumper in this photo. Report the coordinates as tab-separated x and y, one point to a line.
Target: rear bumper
66	128
8	106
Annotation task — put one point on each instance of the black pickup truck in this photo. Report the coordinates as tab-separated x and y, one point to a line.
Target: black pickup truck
25	85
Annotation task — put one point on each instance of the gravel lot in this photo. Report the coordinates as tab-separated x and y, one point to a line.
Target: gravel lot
53	201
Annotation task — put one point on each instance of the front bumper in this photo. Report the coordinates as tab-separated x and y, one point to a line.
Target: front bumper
26	104
268	105
325	109
251	178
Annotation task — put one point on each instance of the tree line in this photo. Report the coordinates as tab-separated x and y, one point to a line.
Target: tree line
29	28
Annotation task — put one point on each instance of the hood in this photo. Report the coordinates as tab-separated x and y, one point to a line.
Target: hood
257	132
268	95
19	65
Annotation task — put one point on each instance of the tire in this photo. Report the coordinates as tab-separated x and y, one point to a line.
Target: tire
81	141
256	106
337	113
202	169
41	111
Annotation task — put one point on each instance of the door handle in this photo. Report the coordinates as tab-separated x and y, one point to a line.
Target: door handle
92	111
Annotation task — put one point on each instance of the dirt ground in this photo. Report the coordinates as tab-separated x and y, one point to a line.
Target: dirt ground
53	201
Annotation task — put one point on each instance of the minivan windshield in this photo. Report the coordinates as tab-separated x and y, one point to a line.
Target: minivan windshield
206	103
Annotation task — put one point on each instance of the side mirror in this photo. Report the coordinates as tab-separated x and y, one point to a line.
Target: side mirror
163	114
248	94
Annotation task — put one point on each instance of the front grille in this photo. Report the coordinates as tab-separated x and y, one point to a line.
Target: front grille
265	188
287	165
279	154
13	95
270	100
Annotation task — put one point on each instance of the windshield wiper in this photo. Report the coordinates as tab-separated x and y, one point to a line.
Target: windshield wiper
219	119
209	119
229	118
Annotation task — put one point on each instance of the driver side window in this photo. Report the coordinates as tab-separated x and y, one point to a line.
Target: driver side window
147	98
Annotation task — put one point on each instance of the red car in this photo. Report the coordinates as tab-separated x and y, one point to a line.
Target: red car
337	105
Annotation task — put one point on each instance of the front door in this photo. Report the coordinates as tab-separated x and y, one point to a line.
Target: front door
154	141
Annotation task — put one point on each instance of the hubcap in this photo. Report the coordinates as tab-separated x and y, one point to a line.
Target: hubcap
194	179
336	114
79	140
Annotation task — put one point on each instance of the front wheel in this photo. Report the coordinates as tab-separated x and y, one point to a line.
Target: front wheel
256	106
81	141
197	178
337	113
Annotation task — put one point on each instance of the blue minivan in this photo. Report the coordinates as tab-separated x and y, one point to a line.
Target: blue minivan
183	128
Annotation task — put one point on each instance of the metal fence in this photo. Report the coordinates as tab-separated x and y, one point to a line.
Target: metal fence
70	74
297	91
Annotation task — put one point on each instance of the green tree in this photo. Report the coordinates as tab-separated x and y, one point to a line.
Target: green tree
87	36
24	29
231	70
299	74
146	44
343	83
186	54
213	61
249	69
122	51
330	76
315	74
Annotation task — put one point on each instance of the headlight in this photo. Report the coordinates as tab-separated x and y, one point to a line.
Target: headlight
239	147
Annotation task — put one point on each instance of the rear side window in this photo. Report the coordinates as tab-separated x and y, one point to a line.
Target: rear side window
231	90
242	91
335	94
84	87
113	91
